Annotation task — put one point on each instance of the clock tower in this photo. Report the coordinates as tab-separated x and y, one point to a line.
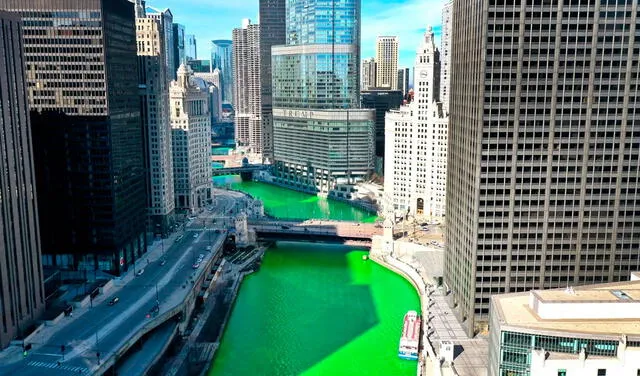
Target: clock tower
427	73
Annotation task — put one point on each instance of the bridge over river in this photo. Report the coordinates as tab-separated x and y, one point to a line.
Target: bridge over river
321	230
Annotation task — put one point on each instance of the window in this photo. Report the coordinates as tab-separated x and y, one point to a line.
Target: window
602	372
562	372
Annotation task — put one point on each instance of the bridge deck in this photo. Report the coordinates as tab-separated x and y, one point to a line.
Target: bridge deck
316	228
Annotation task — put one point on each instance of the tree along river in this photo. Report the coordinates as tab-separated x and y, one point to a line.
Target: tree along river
314	309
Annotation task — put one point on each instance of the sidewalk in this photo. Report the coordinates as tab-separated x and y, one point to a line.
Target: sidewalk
441	325
13	354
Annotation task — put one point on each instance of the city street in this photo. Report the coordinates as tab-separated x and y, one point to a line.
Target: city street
103	328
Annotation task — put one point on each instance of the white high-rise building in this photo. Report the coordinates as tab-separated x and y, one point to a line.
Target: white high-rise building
154	99
247	90
191	123
368	74
387	62
445	55
416	143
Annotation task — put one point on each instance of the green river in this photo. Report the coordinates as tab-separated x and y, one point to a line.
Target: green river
314	309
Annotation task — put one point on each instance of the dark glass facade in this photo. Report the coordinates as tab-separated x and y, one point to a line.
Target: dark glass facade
222	58
178	45
381	101
272	33
21	289
199	66
87	131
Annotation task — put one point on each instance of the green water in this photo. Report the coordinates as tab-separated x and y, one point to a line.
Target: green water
222	150
314	309
317	310
286	203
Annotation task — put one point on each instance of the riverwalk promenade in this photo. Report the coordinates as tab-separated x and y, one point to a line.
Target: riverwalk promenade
439	324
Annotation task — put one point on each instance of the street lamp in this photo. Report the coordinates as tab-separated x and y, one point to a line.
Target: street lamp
162	245
97	347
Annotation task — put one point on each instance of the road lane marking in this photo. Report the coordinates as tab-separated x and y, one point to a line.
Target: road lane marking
47	354
62	367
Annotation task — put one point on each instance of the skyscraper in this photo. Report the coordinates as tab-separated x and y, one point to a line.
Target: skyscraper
190	47
321	138
165	19
542	181
191	136
178	45
215	94
416	142
246	91
368	74
21	290
272	33
200	66
222	58
445	54
387	62
403	81
154	112
87	134
381	100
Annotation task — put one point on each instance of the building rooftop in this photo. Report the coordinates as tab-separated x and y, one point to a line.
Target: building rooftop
610	309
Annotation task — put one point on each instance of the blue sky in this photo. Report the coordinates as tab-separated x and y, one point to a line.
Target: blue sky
215	19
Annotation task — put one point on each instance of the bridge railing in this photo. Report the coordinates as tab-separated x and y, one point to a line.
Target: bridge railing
269	219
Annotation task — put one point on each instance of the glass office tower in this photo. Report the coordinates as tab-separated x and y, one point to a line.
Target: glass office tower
82	84
273	28
322	139
222	58
21	291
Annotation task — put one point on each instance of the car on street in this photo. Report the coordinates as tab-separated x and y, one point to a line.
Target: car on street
195	236
114	300
196	265
217	231
153	311
208	248
140	272
163	262
201	256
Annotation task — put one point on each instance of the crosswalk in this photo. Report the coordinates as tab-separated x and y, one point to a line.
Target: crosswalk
71	369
